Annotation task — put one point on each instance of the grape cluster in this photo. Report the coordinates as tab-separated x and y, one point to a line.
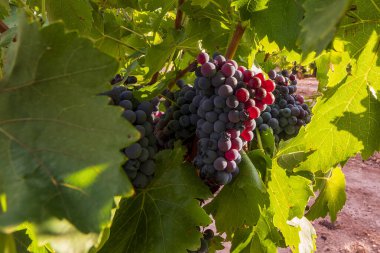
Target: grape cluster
140	166
227	100
289	112
177	123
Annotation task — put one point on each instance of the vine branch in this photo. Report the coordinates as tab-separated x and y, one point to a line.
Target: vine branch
179	15
234	43
153	79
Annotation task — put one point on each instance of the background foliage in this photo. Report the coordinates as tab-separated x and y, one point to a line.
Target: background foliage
59	142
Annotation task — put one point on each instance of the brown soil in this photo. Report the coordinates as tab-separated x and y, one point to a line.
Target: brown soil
357	229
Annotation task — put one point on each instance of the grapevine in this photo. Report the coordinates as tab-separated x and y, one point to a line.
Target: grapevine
148	126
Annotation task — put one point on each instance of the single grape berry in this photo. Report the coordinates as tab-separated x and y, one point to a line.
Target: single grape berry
272	74
269	85
228	69
254	83
253	112
242	95
269	99
220	163
231	155
203	58
260	93
208	69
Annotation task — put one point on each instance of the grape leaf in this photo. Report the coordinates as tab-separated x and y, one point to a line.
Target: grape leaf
331	198
241	239
110	38
201	3
4	8
157	56
300	192
332	67
163	217
59	153
347	118
76	14
239	202
307	234
266	237
247	7
358	25
261	160
280	202
279	22
319	24
116	3
23	240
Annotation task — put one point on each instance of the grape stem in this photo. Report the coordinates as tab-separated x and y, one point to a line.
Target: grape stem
235	40
179	15
259	139
181	73
153	79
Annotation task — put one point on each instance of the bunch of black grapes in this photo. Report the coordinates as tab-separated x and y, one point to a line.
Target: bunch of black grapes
227	100
289	113
140	166
177	123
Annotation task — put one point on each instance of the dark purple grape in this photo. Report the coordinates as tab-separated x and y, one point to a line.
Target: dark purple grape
224	145
220	163
208	69
133	151
225	91
232	102
219	126
130	116
234	116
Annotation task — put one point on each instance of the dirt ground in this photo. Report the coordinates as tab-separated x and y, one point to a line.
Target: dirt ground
357	229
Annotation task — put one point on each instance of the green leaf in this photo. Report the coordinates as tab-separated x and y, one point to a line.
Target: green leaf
215	244
116	3
307	234
290	156
346	118
201	3
331	198
59	153
241	240
20	241
279	192
266	237
110	38
319	24
76	14
300	192
268	142
247	7
279	22
4	8
261	161
164	216
157	56
246	194
358	25
332	66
